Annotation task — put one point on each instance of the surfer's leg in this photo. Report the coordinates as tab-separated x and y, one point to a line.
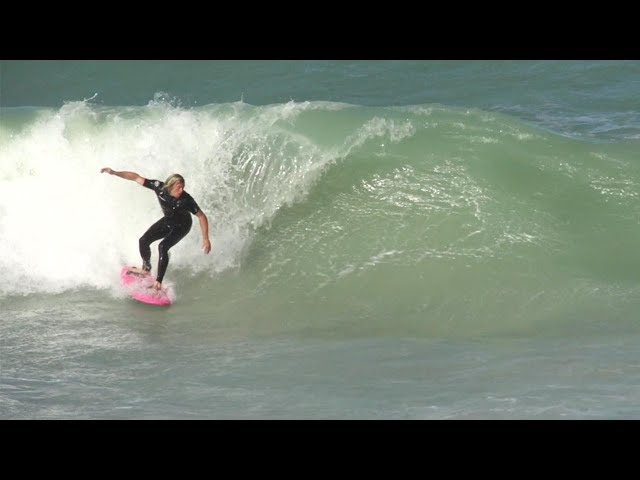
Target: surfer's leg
174	237
153	233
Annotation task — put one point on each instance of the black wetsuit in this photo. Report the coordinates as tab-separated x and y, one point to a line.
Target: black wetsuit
175	224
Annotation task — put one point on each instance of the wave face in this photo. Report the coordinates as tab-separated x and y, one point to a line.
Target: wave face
423	218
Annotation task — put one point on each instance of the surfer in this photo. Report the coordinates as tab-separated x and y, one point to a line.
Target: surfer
176	205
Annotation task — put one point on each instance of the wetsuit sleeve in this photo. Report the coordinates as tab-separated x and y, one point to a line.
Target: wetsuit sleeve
155	185
192	205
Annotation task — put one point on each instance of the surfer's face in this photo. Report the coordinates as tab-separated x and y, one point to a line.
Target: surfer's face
176	190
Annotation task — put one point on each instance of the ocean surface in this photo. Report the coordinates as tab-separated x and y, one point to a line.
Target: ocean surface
390	239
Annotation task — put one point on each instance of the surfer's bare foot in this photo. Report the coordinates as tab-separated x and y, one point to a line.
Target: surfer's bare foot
140	271
157	285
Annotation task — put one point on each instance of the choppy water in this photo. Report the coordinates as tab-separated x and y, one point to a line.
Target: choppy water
391	239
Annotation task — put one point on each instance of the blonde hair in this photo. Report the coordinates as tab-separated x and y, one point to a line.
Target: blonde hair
172	180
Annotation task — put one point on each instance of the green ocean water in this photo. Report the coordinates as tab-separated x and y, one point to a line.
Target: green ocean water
391	239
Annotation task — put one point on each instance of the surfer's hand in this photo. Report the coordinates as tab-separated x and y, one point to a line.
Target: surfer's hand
206	245
108	170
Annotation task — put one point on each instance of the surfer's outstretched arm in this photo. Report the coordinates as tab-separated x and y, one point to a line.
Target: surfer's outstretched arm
126	175
204	226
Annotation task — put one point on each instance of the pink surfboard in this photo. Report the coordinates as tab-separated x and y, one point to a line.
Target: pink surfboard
140	287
